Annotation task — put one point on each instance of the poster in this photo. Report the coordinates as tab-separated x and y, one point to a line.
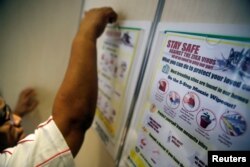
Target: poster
120	53
197	100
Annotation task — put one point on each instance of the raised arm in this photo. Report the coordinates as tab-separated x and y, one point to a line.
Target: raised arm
75	102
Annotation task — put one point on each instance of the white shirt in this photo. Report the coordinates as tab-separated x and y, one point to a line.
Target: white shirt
46	147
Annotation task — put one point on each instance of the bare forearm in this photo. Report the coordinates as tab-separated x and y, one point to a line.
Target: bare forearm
78	92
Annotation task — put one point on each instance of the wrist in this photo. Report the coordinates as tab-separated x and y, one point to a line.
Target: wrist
19	113
85	36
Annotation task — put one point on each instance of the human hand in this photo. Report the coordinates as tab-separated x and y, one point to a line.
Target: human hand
26	103
94	22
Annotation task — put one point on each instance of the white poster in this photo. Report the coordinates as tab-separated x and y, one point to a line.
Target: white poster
198	100
119	62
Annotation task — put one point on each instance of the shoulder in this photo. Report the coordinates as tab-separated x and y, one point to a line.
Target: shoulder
45	145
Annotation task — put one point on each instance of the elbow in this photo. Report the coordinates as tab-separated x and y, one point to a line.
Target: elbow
78	113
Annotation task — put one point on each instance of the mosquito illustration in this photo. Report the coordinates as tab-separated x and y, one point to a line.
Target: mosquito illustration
237	61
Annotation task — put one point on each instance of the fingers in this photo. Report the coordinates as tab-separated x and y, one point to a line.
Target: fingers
32	104
102	15
95	21
109	14
28	92
27	102
28	96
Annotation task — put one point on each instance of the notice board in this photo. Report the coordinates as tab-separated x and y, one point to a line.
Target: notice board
194	97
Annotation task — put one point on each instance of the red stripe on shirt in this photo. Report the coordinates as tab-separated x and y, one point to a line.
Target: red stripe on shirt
23	141
53	157
6	151
40	126
45	123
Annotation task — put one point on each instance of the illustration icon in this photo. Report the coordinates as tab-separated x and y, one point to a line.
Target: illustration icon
165	69
153	108
233	123
126	39
162	86
206	119
191	101
169	136
237	62
142	141
123	68
173	99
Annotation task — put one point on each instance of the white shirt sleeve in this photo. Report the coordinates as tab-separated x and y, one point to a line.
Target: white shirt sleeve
46	147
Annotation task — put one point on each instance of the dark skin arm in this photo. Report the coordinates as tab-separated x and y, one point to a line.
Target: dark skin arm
75	102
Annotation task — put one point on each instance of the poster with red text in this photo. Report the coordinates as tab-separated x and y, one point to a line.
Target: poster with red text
197	100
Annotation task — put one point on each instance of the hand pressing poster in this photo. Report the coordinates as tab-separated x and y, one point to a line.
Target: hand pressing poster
198	100
119	59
